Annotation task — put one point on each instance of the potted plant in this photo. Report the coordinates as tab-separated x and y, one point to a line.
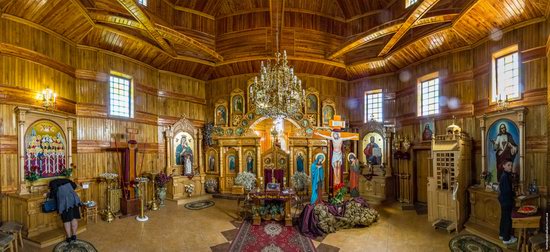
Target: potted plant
277	212
246	179
211	185
161	180
264	211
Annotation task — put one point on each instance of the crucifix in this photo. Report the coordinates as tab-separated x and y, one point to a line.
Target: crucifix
337	138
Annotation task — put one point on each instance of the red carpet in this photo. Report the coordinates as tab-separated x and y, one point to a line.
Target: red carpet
270	236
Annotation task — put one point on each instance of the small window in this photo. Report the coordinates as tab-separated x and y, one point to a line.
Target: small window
142	2
428	95
373	105
121	101
409	3
506	74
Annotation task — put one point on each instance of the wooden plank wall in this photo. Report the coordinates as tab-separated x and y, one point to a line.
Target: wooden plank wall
33	58
466	76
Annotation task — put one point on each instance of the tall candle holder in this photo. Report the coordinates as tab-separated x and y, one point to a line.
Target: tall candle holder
154	204
109	179
141	182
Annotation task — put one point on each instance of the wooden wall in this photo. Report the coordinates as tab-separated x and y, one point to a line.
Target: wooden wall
466	76
33	58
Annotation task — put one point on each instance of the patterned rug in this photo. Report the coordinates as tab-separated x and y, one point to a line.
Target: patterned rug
76	246
468	242
270	236
201	204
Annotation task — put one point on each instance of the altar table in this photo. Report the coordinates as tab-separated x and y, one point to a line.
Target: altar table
286	195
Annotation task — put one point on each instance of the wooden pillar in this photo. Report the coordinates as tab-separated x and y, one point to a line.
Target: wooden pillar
168	135
22	187
202	169
259	166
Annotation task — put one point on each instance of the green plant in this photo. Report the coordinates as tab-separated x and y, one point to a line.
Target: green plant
32	176
67	172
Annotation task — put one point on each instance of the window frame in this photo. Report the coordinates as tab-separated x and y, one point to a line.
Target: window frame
131	95
494	74
142	2
419	94
366	107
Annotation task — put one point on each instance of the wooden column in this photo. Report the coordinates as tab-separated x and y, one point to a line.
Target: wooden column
22	187
202	169
168	135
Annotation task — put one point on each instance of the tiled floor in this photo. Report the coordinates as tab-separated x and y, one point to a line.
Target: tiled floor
175	228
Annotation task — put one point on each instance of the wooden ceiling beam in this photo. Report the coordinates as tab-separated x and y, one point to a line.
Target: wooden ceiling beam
366	14
188	10
116	20
132	7
266	58
82	9
198	13
168	33
386	29
183	39
416	15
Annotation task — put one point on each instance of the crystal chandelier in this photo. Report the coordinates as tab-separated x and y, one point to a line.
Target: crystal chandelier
277	93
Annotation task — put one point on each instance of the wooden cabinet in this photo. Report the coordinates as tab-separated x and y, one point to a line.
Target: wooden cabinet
377	190
484	212
40	228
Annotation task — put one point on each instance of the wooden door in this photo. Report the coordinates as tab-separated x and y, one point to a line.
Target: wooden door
423	167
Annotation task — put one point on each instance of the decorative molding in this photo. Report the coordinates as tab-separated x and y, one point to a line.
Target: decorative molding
30	55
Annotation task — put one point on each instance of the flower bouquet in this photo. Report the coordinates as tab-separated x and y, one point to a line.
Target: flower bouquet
162	179
33	174
300	180
189	189
211	185
246	179
339	193
486	176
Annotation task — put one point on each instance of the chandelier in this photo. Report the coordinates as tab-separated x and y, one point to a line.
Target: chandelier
277	92
48	97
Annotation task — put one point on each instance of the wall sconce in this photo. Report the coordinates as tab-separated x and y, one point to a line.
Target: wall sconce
47	96
502	104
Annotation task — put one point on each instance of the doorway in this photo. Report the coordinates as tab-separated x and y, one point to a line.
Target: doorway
423	167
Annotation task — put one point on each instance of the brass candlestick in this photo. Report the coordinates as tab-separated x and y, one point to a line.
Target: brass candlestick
154	205
109	179
141	181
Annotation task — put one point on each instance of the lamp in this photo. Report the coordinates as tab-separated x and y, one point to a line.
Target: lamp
503	104
277	92
47	96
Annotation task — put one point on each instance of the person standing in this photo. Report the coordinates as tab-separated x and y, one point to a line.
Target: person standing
506	199
68	205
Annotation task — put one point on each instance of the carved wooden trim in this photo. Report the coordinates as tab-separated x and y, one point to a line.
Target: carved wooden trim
30	55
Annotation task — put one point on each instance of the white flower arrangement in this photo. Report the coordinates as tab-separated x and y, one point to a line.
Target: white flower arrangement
300	180
108	175
189	188
246	179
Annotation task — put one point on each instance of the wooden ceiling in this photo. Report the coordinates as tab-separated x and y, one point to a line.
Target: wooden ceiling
208	39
